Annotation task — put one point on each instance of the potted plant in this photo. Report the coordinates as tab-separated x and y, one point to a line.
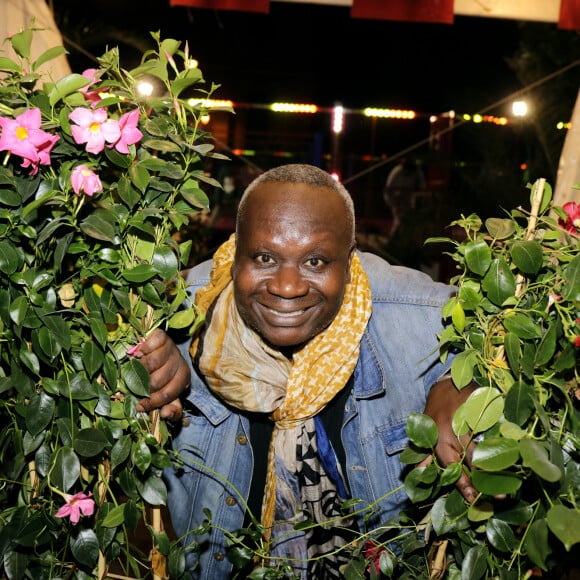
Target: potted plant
96	182
515	324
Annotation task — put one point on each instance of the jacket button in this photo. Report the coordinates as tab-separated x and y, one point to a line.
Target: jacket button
218	556
185	422
242	439
231	500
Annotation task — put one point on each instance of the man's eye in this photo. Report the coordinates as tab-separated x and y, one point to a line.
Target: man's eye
315	262
264	259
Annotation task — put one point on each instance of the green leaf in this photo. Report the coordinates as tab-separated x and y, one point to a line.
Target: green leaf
9	258
480	511
496	454
7	64
15	563
46	342
500	228
39	412
136	377
139	176
565	524
47	56
535	456
141	456
415	487
85	546
182	319
483	408
513	351
478	256
93	357
21	42
153	490
422	430
500	535
492	483
100	225
115	517
519	403
527	256
186	79
499	283
120	451
547	347
536	543
449	514
67	469
65	86
163	146
90	442
522	325
458	317
475	563
18	310
165	263
140	273
462	368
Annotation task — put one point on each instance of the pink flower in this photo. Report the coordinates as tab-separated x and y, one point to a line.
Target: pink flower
372	552
75	505
572	223
24	137
85	179
94	128
129	132
91	96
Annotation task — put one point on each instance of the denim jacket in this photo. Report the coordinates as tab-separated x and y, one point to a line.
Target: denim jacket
397	366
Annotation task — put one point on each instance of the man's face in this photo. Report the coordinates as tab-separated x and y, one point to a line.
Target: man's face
292	261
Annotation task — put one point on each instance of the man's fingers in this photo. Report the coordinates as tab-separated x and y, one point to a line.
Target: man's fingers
466	488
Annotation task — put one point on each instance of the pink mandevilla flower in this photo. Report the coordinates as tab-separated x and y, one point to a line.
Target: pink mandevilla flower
85	179
94	128
572	223
24	137
91	96
75	505
129	132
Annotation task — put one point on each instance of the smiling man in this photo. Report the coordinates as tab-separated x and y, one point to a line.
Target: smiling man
311	359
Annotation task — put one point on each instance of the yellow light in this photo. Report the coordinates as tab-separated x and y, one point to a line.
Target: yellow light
477	118
145	88
210	103
520	108
389	113
293	108
204	119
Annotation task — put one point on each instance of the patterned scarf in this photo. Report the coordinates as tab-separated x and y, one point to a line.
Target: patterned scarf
248	374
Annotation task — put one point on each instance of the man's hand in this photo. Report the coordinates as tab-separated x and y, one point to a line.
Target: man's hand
169	374
442	402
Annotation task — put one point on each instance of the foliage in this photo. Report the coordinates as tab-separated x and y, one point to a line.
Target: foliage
516	324
96	183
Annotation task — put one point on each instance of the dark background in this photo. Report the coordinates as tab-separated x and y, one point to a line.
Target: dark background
318	54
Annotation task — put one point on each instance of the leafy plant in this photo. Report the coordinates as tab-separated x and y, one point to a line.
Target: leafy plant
96	184
516	324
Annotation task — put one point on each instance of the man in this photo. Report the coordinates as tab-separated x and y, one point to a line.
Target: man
311	359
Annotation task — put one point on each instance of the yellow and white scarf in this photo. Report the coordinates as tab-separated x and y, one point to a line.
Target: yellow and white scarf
248	374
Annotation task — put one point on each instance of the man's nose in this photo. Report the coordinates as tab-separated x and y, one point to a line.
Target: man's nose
288	282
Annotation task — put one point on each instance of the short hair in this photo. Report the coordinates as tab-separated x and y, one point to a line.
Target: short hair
301	173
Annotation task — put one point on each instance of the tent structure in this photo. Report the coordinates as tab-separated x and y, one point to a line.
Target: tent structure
15	15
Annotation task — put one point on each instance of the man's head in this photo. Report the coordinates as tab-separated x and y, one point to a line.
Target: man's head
294	243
